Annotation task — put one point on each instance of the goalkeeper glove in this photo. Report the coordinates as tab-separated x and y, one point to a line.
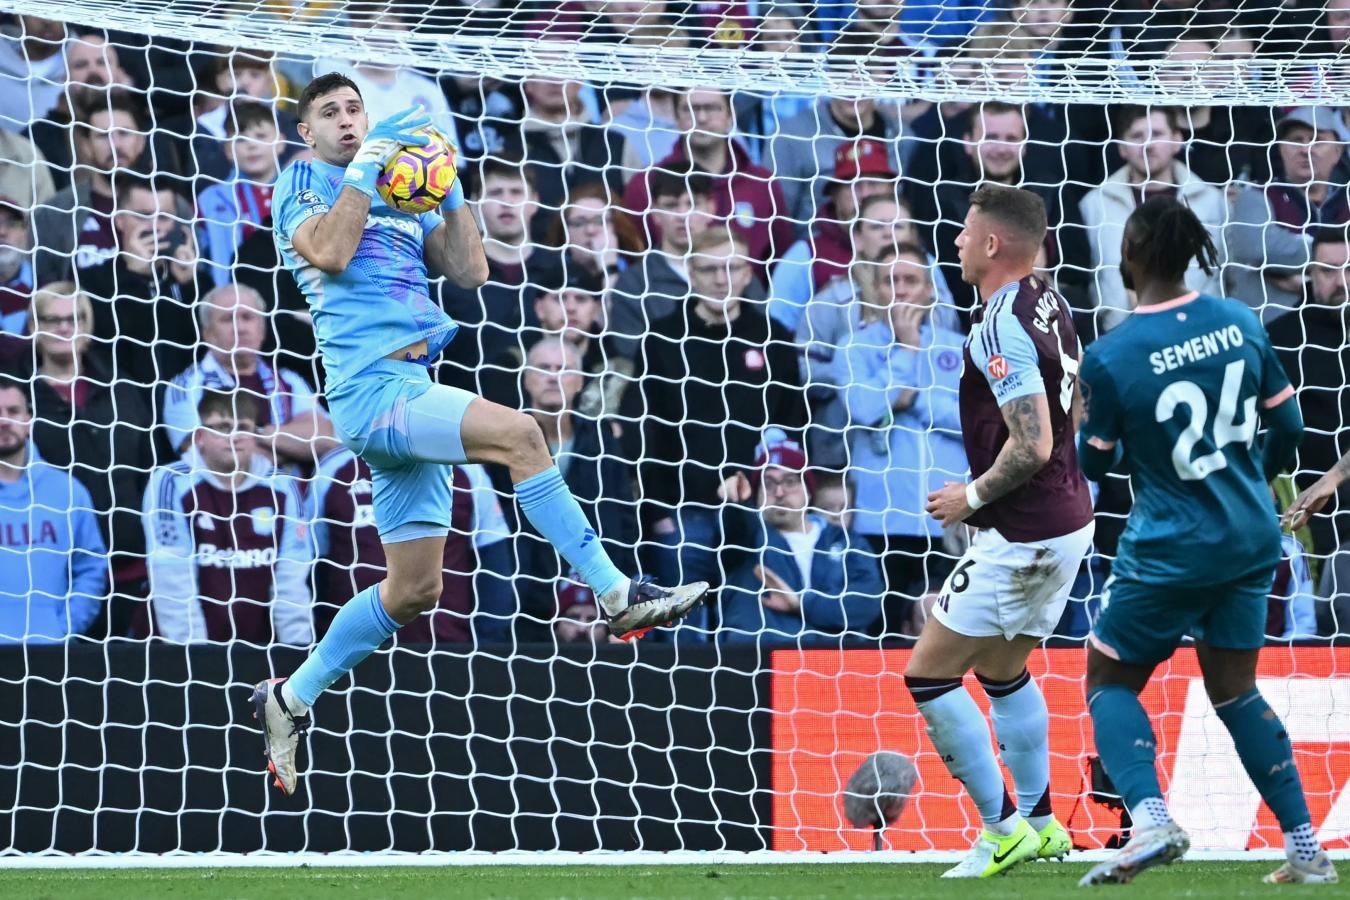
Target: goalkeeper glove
381	143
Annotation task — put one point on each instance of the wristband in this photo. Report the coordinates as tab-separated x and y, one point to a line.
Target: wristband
362	175
455	199
973	497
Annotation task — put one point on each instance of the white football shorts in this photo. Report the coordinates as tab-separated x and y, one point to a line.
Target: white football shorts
1004	589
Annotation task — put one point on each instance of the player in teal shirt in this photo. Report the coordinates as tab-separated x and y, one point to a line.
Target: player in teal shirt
362	266
1175	396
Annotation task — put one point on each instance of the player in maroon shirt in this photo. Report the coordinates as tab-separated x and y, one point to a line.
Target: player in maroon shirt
1030	505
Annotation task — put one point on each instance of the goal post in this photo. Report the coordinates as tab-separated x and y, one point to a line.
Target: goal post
136	244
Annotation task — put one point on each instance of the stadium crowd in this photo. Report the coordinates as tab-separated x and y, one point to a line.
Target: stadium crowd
737	317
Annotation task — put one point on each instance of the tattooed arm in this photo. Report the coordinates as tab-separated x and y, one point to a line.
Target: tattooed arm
1028	448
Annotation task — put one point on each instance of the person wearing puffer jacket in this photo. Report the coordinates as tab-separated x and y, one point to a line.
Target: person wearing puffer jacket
901	373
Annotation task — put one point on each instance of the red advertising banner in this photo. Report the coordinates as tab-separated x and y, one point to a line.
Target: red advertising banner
831	709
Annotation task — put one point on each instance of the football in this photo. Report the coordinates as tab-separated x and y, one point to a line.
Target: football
417	179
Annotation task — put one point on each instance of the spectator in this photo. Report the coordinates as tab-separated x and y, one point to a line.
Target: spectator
74	230
783	30
580	623
387	89
851	138
900	373
862	169
16	281
53	569
682	207
717	372
648	124
1269	238
292	428
806	579
569	308
567	146
25	175
1337	26
832	499
197	141
1291	610
32	69
491	317
97	428
593	236
589	457
228	553
995	151
1149	142
1223	144
93	70
476	563
874	31
884	222
745	194
484	111
145	294
886	276
1313	343
233	209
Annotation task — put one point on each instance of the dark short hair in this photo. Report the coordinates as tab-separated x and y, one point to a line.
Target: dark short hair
109	101
324	84
505	167
1015	208
239	404
9	382
679	181
246	113
124	182
873	200
909	249
994	108
1126	116
1330	234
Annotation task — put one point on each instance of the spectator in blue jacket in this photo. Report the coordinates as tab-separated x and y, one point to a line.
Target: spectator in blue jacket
53	562
803	579
901	371
232	209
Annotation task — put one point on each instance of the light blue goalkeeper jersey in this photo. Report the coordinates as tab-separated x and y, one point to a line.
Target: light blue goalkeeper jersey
380	302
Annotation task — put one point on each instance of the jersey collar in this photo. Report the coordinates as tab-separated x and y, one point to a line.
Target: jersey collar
1170	304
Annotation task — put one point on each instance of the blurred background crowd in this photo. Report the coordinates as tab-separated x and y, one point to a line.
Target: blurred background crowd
737	316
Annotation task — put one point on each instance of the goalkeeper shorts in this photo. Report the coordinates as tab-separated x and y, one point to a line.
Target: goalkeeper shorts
1143	624
407	429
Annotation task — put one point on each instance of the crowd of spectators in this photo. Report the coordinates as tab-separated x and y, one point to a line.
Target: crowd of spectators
737	317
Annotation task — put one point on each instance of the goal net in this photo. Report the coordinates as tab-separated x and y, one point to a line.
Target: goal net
722	277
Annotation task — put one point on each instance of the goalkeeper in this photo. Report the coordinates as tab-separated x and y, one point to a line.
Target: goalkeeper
362	267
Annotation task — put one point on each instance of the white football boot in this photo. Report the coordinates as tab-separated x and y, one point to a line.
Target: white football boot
281	732
1319	871
650	606
1151	847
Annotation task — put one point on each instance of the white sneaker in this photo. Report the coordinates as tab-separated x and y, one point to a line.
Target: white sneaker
649	606
281	732
1151	847
994	854
1319	871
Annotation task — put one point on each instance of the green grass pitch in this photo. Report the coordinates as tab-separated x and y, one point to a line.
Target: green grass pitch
911	881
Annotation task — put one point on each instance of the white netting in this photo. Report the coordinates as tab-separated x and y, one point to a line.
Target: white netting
141	596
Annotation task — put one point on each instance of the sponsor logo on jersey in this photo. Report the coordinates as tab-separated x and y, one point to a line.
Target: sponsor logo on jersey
409	225
997	367
213	557
744	214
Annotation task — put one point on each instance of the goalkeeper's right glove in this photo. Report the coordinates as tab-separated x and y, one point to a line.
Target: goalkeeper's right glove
402	129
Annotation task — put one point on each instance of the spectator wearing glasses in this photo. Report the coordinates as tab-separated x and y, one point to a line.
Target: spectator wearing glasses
97	428
801	578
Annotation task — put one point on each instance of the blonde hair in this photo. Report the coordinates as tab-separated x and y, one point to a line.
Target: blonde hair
84	307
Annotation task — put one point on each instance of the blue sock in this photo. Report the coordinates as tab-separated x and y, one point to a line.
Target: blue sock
1125	742
359	627
961	737
1022	726
1267	755
555	513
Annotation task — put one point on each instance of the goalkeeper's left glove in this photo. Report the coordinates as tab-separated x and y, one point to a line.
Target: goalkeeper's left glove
402	129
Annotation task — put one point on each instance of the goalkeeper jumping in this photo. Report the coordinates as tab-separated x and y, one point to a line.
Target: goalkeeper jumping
362	267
